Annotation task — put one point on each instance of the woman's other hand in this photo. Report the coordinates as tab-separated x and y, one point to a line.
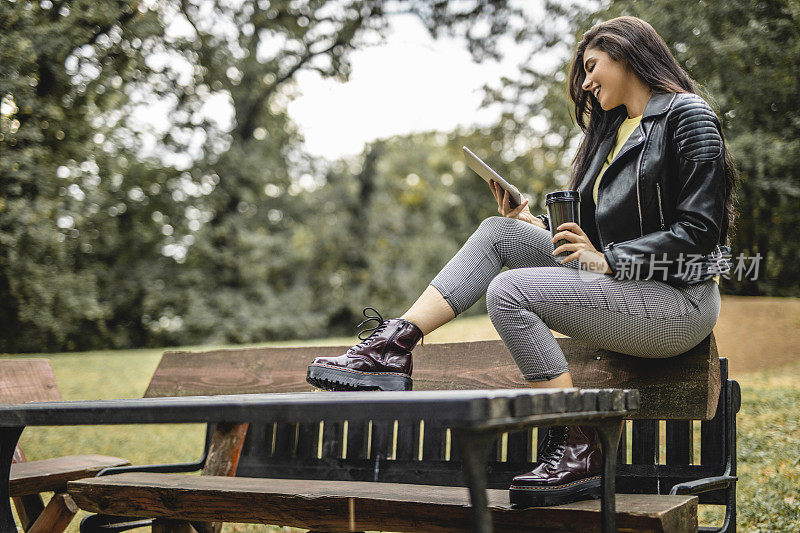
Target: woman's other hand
581	248
521	212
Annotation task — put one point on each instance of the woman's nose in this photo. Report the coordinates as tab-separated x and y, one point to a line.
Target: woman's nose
586	84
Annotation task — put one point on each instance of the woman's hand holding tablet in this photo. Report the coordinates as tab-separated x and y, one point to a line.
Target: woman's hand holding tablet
510	202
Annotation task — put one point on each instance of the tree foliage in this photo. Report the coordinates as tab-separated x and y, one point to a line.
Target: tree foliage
206	228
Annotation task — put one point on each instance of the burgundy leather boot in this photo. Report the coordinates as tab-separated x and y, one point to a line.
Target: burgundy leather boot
381	362
568	470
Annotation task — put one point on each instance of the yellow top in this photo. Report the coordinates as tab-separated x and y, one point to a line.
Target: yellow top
623	133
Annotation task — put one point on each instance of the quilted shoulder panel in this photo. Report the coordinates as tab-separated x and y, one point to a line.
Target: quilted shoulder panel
696	128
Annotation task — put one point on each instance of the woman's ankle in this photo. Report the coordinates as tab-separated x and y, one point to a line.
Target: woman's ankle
430	311
563	381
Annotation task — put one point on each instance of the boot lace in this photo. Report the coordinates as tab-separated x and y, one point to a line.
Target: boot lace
555	444
370	332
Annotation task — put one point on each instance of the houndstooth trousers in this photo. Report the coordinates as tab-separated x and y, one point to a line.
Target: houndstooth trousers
643	318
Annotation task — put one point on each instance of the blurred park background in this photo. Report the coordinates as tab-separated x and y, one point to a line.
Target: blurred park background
155	189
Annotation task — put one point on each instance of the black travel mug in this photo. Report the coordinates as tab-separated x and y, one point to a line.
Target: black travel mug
563	206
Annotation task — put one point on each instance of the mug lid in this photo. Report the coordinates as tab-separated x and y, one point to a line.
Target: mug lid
562	196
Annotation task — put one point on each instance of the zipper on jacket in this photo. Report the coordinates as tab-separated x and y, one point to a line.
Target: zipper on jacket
642	137
660	212
638	196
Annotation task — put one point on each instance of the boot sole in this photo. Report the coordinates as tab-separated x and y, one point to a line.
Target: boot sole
337	379
585	489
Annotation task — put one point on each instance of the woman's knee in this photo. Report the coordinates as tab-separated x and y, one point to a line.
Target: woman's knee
501	293
495	225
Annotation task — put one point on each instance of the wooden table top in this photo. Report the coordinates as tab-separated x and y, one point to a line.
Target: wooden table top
462	408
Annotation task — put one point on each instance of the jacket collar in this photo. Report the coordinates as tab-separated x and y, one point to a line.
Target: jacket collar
658	104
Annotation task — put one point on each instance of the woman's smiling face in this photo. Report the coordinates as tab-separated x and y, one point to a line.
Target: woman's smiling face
607	80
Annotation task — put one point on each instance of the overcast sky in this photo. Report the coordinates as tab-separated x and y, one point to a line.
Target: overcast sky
411	83
408	84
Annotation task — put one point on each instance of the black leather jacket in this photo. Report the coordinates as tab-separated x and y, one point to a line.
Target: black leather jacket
661	202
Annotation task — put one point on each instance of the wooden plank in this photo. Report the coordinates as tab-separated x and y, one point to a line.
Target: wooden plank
712	443
681	387
27	380
46	475
644	442
283	439
381	442
433	441
307	441
332	439
338	506
622	449
225	449
460	407
28	509
357	439
56	516
518	446
679	442
407	441
258	440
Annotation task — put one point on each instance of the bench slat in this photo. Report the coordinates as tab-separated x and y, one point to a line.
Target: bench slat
622	449
356	440
307	441
258	439
283	439
407	440
359	506
644	444
47	475
433	443
28	380
679	442
381	444
681	387
332	433
518	446
713	447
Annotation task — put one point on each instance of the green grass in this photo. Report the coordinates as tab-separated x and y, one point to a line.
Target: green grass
768	430
769	451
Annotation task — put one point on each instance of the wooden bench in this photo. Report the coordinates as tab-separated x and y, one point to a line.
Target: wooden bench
322	476
32	380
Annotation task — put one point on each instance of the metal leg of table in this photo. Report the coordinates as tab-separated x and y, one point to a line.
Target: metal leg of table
609	441
9	436
474	449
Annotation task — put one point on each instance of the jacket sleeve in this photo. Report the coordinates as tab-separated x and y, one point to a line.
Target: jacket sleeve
699	181
545	219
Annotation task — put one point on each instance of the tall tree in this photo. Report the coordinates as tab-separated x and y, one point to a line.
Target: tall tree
253	260
61	67
116	234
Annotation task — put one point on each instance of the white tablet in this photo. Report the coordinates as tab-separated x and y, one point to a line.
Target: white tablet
486	172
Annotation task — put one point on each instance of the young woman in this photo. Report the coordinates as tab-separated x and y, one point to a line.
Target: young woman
656	186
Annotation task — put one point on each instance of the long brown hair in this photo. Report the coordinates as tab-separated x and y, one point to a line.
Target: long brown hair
636	44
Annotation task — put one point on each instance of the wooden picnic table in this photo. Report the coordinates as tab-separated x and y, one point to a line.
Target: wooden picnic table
476	417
